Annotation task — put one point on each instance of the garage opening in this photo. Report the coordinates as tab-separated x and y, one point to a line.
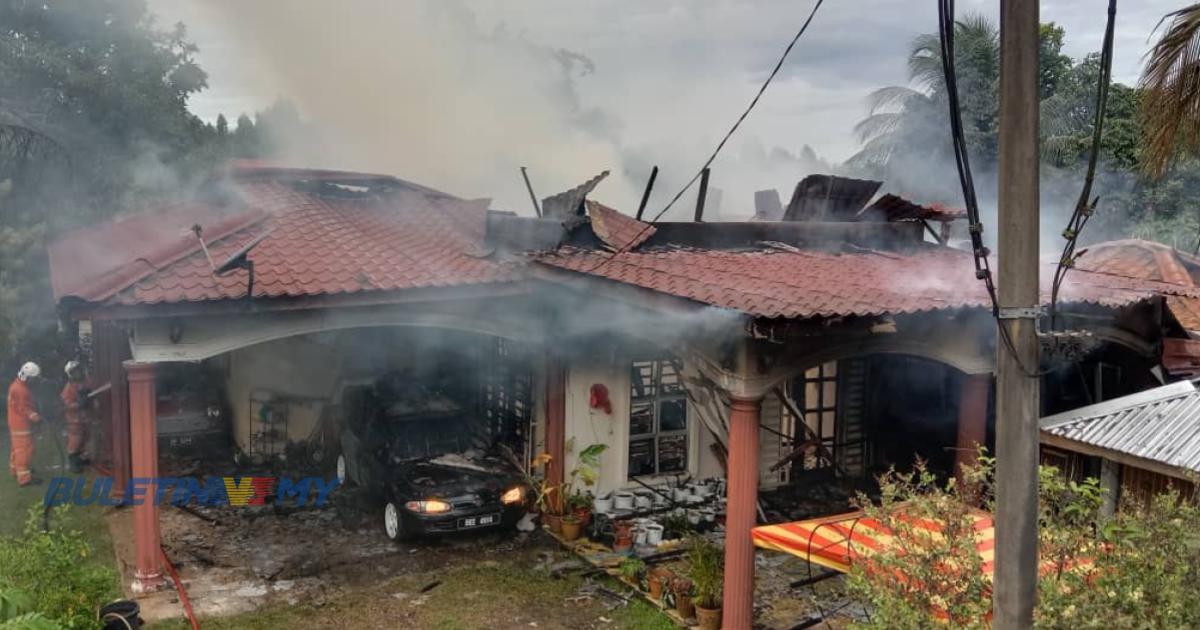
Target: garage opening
287	405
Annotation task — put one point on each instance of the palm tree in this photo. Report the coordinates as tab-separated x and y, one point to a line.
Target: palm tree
1170	108
904	118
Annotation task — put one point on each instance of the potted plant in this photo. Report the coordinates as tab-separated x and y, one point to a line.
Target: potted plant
707	573
541	489
622	536
676	525
681	588
632	570
553	499
586	471
659	578
571	527
581	506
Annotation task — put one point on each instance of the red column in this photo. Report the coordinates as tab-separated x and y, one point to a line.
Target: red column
556	417
972	419
115	343
741	513
147	539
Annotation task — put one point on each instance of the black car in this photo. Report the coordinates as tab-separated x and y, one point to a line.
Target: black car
418	455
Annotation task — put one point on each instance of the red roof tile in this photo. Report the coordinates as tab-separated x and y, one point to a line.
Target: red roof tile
793	283
315	244
1151	266
1145	260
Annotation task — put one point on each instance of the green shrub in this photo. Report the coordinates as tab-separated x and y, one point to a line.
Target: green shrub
1140	568
56	572
706	568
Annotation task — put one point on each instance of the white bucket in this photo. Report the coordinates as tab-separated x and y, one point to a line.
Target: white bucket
623	500
602	505
654	533
643	502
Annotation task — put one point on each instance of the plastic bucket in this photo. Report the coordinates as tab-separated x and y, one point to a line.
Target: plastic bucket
121	615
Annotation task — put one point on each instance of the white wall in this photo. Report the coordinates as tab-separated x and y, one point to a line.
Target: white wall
296	367
587	426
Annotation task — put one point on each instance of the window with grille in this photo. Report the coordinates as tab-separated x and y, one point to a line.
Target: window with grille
658	422
819	403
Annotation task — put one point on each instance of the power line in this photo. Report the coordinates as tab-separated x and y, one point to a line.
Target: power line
946	25
1085	206
721	144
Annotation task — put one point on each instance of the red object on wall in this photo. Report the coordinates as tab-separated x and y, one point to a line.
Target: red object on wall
599	398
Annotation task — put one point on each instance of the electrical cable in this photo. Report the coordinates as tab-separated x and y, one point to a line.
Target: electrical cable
1085	206
946	25
721	144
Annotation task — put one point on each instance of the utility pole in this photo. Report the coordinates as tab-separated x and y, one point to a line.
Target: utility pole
1017	386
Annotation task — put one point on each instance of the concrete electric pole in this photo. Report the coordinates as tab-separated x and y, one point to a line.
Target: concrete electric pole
1017	385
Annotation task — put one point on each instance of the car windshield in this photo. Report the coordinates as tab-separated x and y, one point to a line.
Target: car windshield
433	436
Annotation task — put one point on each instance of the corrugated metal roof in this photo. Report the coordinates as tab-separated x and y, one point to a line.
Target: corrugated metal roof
1160	424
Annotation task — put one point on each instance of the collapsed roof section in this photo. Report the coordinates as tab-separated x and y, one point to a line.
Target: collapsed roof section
567	206
829	198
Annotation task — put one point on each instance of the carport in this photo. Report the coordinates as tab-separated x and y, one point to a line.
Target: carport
270	275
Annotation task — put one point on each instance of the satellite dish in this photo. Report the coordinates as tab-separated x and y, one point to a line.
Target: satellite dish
238	259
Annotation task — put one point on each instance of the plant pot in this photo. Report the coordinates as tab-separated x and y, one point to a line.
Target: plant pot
571	528
584	515
554	522
684	606
659	579
656	587
709	618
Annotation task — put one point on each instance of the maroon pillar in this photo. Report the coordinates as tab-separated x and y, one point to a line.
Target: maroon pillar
147	539
118	351
556	418
741	513
972	420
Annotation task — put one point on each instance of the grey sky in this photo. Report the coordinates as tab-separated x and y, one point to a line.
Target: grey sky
670	76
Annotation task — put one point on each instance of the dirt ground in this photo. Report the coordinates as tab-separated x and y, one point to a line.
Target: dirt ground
261	567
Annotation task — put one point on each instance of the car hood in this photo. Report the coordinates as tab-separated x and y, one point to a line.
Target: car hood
431	479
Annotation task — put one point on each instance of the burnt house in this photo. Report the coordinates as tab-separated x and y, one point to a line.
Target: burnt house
840	340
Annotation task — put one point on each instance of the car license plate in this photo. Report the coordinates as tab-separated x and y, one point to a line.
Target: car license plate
478	521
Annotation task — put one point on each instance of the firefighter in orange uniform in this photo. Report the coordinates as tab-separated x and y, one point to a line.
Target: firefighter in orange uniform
76	405
22	414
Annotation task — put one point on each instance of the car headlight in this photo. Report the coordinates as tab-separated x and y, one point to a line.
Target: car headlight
513	495
429	506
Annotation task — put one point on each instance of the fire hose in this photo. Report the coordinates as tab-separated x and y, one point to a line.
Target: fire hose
183	597
62	459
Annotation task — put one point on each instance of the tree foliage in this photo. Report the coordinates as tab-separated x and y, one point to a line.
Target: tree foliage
1170	82
906	138
93	119
1137	569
